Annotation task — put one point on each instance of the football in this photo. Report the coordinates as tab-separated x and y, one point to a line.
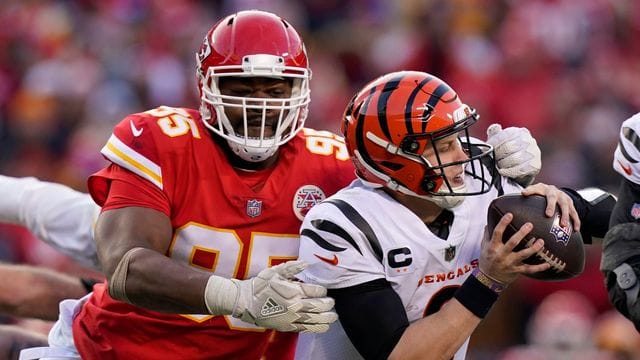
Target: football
563	247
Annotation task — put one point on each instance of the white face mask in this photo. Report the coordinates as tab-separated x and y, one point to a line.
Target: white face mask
292	110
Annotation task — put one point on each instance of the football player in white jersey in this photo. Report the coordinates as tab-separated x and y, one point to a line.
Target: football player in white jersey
621	248
402	249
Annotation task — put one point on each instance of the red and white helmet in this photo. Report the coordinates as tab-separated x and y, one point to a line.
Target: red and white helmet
253	44
391	121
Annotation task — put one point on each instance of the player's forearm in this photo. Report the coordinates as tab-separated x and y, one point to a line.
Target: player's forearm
594	207
36	292
158	283
450	326
437	336
132	243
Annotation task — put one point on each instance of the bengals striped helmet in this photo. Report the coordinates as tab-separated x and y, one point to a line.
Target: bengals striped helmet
390	124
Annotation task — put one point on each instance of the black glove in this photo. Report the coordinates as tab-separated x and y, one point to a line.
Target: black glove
620	265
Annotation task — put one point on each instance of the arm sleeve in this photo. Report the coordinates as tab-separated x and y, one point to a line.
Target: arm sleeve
373	317
594	212
627	208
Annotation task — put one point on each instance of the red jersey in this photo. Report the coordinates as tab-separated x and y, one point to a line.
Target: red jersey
228	222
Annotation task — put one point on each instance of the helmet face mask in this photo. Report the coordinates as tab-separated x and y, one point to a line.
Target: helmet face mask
230	51
408	131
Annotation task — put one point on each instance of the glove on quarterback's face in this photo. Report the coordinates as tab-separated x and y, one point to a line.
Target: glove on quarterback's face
274	300
517	154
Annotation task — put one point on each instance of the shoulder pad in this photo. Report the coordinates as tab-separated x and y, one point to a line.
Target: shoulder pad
627	154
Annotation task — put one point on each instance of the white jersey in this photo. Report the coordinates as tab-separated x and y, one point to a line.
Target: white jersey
54	213
626	159
386	240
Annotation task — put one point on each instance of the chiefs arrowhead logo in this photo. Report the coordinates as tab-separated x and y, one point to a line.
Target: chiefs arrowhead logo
333	261
305	198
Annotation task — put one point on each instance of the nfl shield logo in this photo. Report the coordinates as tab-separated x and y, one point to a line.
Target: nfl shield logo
254	208
562	234
635	211
450	253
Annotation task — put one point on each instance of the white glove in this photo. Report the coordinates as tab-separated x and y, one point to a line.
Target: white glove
273	300
517	153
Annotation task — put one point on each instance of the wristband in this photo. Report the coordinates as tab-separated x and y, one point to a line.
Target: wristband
221	295
476	296
488	281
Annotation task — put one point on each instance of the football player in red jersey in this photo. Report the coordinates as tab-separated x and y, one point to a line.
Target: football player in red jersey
201	210
401	249
65	219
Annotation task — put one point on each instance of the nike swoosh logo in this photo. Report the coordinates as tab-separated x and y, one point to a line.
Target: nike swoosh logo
626	169
333	261
136	132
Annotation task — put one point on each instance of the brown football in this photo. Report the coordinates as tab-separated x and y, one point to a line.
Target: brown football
563	247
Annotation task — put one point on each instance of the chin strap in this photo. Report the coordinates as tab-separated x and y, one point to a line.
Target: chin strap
628	282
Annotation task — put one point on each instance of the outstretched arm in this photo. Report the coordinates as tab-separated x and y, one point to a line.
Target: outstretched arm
54	213
36	292
132	242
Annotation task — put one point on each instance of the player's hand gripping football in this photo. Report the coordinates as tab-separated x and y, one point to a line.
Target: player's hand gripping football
556	198
274	300
517	153
499	261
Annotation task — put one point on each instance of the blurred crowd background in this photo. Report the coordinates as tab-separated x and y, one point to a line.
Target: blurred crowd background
569	70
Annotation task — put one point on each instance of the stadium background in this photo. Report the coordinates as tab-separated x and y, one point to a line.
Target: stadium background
569	70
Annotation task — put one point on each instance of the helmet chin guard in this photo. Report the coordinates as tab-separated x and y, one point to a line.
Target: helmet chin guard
257	153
